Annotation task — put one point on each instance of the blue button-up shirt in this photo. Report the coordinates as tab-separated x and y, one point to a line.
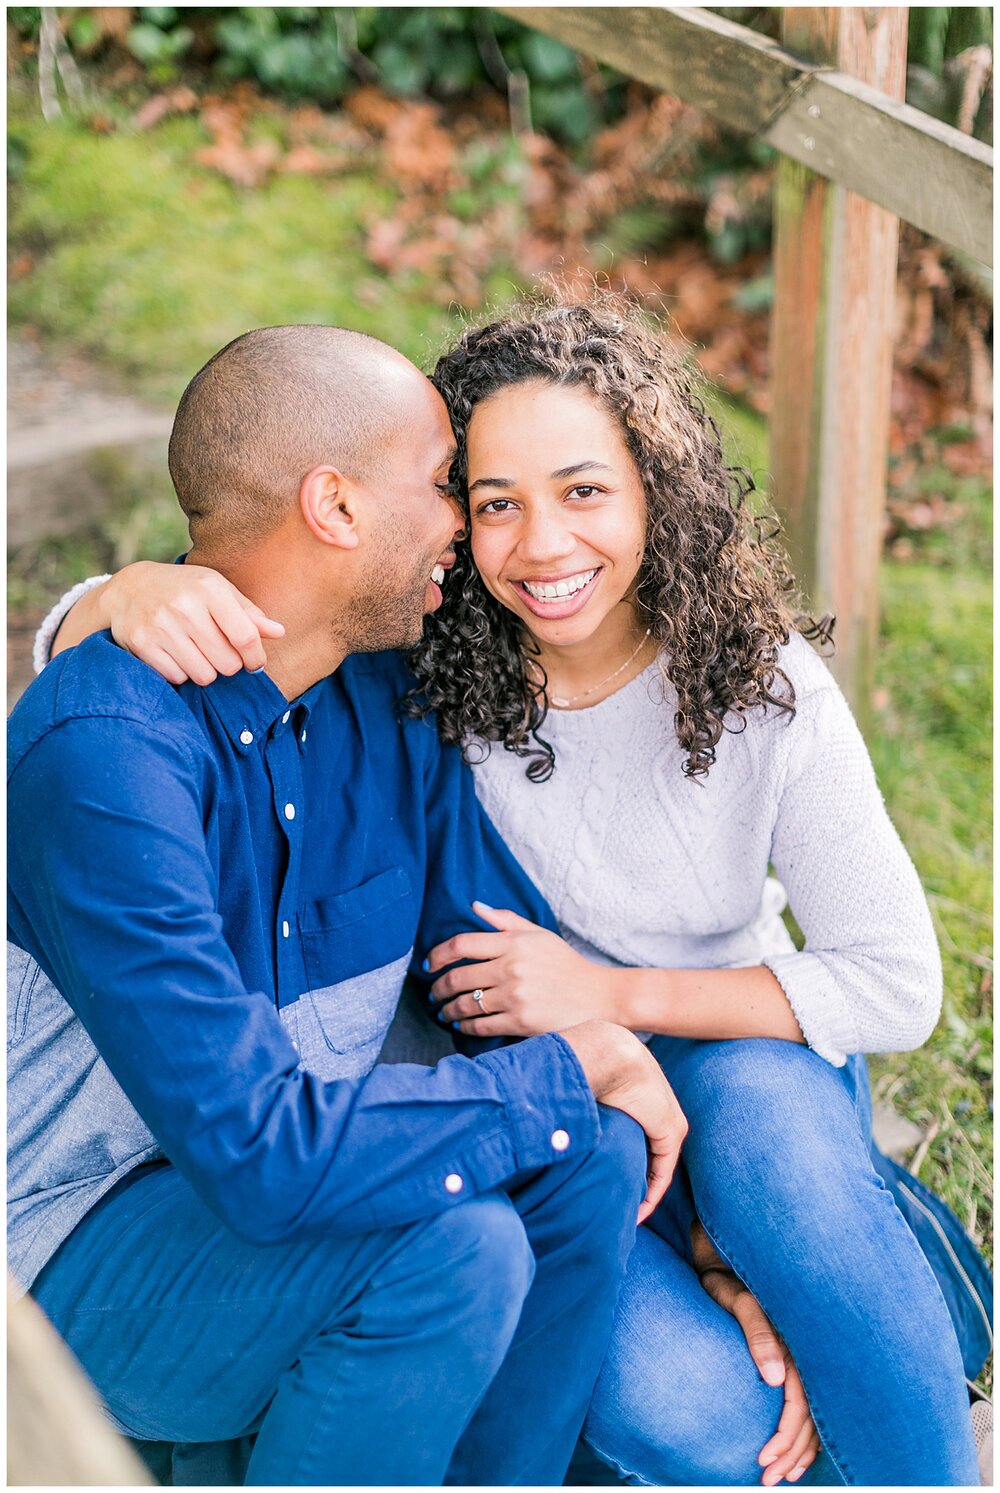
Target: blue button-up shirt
214	896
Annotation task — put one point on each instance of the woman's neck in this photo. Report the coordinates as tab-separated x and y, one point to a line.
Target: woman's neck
586	672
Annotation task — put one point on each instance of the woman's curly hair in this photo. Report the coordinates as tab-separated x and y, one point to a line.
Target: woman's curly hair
712	588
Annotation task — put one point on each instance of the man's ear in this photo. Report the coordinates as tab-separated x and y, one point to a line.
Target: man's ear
330	505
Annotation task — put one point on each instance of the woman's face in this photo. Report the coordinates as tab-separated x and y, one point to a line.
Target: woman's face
558	514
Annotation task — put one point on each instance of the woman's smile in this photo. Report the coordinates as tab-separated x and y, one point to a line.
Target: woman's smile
557	511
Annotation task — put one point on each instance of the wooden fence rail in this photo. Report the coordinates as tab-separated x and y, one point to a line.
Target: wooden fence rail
918	168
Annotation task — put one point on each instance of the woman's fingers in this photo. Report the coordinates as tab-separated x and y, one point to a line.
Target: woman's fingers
464	1008
476	946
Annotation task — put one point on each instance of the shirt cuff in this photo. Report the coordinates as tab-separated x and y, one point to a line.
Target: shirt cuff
550	1109
46	635
817	1003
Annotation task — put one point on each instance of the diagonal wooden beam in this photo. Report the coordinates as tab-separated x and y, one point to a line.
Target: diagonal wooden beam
840	127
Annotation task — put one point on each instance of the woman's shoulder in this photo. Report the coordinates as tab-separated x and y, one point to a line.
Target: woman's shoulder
807	671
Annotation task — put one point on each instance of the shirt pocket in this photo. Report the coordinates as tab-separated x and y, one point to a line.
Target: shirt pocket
356	948
22	976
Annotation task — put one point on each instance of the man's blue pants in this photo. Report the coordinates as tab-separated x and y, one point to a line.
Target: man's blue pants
463	1348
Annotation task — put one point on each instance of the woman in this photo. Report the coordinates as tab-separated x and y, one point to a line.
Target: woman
666	733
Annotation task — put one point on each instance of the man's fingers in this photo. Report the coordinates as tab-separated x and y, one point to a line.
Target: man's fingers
765	1346
795	1430
662	1165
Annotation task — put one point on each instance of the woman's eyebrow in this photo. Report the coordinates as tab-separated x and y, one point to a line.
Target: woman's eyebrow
578	466
491	482
581	466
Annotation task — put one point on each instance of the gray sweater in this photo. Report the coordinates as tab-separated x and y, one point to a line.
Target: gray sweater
645	867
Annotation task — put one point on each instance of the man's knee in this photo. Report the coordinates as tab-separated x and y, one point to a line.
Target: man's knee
618	1161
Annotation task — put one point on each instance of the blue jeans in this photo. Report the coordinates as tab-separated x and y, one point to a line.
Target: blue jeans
777	1165
463	1348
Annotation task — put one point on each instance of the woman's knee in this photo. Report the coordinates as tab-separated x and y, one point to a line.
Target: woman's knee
678	1399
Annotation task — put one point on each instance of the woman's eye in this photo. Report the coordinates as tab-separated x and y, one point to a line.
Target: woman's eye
495	505
585	490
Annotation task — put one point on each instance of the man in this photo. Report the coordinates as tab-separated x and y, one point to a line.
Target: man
240	1225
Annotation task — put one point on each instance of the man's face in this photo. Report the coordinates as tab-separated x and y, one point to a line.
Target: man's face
418	522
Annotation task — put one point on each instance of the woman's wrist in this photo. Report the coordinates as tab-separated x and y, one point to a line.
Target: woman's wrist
641	999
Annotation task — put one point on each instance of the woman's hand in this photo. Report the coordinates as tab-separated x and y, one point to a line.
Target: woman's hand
795	1444
531	980
186	621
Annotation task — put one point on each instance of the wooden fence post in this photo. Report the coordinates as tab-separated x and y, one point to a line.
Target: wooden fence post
835	272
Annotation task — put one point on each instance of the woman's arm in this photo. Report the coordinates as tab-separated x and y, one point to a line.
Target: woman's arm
185	621
531	981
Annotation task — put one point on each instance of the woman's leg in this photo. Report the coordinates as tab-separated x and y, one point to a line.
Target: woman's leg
779	1167
679	1401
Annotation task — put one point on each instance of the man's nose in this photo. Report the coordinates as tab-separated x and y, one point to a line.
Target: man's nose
458	514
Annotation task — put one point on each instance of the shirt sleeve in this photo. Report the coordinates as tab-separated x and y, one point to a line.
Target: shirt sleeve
468	860
41	650
869	976
113	891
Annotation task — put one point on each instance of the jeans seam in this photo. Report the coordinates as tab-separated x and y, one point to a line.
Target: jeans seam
834	1456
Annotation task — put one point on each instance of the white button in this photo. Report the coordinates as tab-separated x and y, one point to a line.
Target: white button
560	1140
284	930
284	718
246	737
289	811
453	1183
303	736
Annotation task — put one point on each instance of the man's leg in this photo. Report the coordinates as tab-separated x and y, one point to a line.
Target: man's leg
782	1179
580	1219
357	1361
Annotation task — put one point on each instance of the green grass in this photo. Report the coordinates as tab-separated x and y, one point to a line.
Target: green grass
150	263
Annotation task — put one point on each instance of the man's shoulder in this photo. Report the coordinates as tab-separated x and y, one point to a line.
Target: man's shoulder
97	680
379	671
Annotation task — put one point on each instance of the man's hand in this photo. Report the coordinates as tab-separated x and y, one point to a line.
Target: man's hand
623	1074
795	1445
531	980
185	621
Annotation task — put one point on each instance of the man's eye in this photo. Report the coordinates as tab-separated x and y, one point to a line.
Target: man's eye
447	489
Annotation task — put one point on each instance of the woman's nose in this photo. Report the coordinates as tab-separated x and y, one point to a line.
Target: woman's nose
545	537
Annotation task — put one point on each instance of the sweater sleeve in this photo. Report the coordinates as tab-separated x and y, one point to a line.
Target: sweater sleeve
869	976
46	634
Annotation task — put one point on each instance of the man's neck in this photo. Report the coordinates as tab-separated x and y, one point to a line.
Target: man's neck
309	650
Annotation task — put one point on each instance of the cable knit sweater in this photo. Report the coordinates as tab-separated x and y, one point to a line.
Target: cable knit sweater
645	867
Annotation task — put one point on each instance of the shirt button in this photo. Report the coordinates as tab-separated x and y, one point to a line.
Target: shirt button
284	930
284	718
246	737
560	1140
453	1183
289	811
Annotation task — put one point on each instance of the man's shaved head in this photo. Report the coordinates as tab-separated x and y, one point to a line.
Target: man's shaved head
269	408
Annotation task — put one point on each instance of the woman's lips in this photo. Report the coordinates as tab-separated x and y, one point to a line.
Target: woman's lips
564	606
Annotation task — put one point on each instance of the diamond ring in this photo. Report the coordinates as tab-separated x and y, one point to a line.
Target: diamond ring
477	996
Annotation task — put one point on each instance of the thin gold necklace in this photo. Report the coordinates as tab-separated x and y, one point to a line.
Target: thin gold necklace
563	704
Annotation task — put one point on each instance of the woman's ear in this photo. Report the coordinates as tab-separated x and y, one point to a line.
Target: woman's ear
329	503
